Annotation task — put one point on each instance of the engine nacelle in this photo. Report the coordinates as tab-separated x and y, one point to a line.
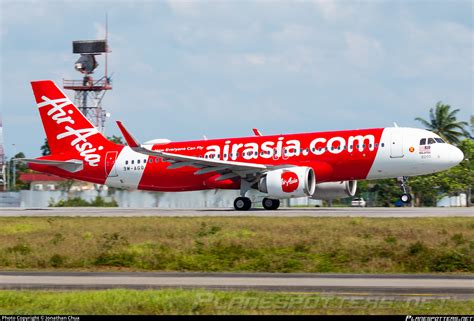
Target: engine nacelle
288	182
332	190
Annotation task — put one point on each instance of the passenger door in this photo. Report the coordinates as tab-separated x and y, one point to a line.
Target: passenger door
396	143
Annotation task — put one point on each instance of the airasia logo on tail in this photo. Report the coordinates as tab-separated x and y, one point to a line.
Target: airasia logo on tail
80	137
289	182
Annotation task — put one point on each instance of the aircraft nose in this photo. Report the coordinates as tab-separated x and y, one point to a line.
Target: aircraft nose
455	155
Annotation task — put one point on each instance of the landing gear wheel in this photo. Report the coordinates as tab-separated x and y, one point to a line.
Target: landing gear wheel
405	198
242	203
270	204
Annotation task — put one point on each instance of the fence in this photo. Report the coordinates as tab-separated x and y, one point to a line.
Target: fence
197	199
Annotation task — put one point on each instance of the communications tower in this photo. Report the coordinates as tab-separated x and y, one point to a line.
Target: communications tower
89	92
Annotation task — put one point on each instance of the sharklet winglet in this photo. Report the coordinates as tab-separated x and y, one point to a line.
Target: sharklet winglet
131	141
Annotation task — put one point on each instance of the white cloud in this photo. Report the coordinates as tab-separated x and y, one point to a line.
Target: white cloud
362	50
184	7
190	62
334	10
255	59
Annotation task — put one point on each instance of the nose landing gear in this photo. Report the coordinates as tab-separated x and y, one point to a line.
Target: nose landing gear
405	197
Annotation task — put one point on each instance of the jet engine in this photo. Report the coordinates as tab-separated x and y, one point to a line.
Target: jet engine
288	182
332	190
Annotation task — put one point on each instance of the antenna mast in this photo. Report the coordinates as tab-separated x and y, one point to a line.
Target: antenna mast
88	93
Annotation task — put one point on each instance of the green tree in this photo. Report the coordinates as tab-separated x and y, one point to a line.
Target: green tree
472	126
425	189
45	150
443	122
386	191
15	169
116	139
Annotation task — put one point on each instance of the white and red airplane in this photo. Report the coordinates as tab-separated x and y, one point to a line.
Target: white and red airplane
322	165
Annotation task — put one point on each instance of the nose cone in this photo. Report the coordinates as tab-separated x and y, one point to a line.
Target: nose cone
455	155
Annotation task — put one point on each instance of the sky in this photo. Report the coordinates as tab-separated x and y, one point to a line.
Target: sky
184	69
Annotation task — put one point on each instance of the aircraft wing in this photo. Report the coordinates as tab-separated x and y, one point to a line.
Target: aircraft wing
228	169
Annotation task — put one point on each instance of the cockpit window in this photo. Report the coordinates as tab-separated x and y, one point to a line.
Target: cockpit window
431	141
439	140
423	141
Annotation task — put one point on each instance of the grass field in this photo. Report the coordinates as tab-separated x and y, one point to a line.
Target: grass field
300	244
214	302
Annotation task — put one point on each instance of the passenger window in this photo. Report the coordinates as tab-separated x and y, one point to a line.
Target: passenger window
382	145
431	141
157	160
376	145
126	162
138	161
150	160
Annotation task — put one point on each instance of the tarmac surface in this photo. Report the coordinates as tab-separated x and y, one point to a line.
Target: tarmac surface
423	285
283	212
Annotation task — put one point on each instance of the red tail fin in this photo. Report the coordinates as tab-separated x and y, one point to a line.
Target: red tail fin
67	130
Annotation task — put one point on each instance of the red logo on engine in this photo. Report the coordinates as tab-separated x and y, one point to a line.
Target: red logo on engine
289	181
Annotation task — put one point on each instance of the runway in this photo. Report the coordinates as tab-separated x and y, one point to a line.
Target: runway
347	284
283	212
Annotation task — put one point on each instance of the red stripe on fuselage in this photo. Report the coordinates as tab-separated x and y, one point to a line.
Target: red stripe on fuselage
332	164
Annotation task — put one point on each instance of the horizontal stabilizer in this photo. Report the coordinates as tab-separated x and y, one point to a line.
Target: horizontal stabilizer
72	165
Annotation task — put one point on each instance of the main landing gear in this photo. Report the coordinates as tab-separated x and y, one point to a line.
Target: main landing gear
244	203
270	204
405	197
